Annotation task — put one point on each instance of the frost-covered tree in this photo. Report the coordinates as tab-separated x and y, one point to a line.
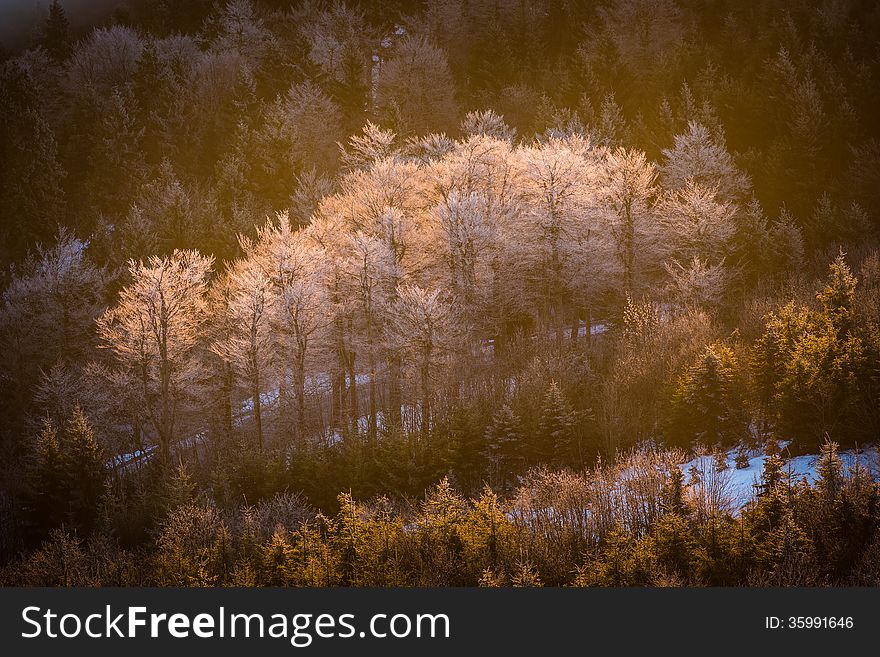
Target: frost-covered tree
465	241
248	344
162	216
107	59
340	43
698	159
372	145
628	189
487	124
423	325
299	133
367	273
474	227
697	283
697	223
384	202
295	268
239	28
558	193
48	309
154	331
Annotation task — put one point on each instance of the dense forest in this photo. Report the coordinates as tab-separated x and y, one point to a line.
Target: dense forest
467	292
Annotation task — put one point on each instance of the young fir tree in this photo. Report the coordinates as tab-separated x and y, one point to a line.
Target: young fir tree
830	471
838	295
708	403
672	497
56	33
503	446
85	471
815	364
556	428
772	499
44	495
66	481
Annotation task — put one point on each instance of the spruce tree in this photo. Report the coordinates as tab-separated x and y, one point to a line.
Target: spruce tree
503	445
556	431
56	33
672	496
708	403
838	295
467	448
84	471
44	494
830	473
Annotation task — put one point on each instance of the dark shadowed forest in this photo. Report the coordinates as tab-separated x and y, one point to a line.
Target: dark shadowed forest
455	293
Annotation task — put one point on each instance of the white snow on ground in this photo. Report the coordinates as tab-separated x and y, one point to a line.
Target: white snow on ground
266	399
122	459
595	329
741	483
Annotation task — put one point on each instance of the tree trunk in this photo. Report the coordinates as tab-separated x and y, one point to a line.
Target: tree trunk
258	412
394	393
372	427
426	393
352	393
628	249
299	386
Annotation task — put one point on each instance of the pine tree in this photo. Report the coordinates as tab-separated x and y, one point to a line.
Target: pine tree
829	469
556	429
85	471
32	201
56	33
672	545
45	495
466	448
838	295
65	484
772	475
708	403
821	360
503	445
672	497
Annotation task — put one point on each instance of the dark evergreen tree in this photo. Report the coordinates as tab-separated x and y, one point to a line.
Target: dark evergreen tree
502	448
85	472
672	498
45	497
555	442
32	201
829	469
56	33
708	402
